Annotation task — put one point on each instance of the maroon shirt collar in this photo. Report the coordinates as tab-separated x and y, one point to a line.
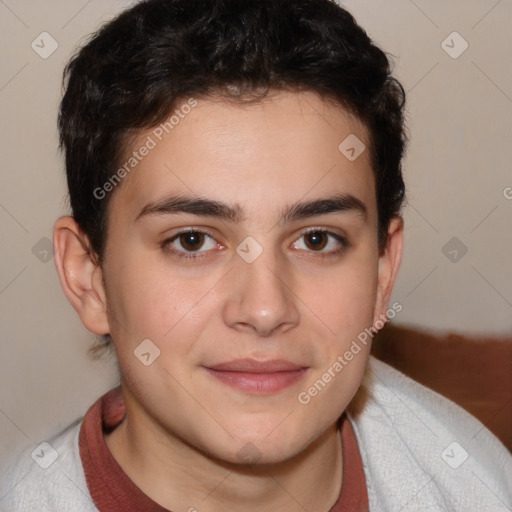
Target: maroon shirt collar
112	490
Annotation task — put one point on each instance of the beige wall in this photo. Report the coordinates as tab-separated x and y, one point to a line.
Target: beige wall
457	172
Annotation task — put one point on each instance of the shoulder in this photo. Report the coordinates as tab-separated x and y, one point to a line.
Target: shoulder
46	477
421	449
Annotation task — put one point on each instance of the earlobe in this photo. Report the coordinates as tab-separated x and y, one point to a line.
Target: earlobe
389	263
80	275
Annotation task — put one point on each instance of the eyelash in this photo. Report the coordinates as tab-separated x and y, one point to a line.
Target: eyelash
344	245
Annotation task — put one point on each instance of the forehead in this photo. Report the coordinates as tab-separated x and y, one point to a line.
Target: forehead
287	146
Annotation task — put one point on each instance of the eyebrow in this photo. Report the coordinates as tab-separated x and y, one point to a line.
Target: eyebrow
207	207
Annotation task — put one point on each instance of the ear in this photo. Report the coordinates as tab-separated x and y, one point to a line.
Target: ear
80	274
389	263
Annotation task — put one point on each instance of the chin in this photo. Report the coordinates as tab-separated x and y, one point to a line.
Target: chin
256	453
261	447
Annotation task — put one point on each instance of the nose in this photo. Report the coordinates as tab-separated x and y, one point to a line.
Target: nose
260	299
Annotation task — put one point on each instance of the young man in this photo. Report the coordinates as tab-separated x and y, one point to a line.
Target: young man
234	170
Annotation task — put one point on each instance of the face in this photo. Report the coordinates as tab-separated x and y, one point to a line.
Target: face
243	245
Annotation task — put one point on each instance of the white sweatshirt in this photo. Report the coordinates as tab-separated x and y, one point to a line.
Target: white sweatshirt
420	453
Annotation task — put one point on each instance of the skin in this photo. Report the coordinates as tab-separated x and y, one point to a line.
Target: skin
299	300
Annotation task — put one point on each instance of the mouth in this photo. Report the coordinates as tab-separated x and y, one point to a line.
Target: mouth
259	377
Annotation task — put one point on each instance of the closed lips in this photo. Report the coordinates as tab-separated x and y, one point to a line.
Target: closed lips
254	366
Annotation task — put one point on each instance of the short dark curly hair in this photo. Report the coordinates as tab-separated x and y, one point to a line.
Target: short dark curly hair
133	72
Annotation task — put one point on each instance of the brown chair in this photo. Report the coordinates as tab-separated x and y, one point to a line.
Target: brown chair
473	371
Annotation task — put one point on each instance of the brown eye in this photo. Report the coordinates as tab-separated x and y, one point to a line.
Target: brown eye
324	243
191	243
192	240
316	240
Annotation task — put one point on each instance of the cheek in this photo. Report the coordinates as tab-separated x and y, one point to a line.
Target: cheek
140	299
149	299
346	304
344	299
